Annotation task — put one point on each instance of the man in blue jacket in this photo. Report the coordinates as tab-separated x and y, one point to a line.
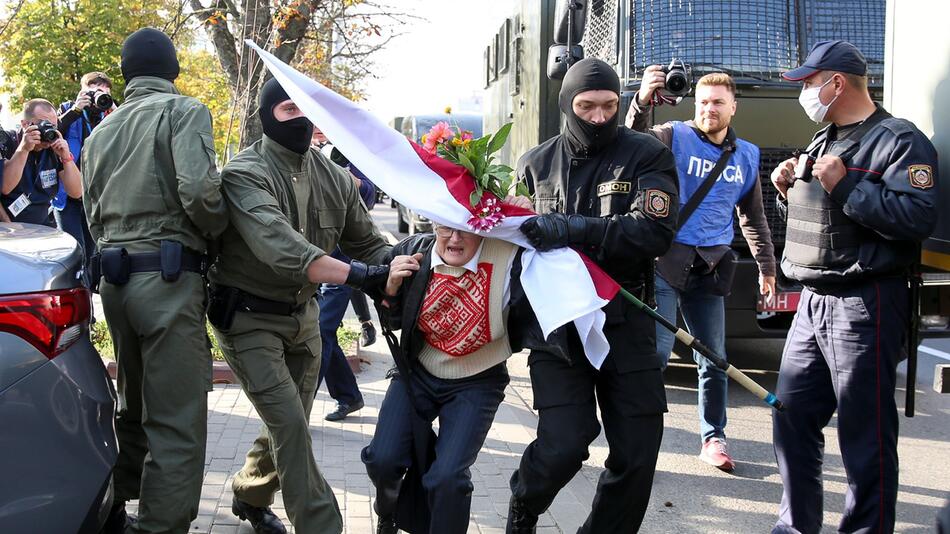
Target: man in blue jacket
694	276
859	201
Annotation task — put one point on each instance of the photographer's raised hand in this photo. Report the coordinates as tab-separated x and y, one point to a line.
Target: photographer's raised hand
83	100
61	148
30	139
653	78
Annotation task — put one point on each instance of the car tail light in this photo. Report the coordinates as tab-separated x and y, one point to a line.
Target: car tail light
51	321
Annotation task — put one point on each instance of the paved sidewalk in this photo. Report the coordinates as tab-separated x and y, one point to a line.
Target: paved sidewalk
233	425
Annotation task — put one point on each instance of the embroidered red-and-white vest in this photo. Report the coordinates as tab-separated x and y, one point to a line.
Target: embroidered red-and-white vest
463	315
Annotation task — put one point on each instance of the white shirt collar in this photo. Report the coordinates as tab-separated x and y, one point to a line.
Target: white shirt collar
472	264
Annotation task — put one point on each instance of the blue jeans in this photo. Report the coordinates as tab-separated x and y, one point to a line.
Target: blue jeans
341	384
705	318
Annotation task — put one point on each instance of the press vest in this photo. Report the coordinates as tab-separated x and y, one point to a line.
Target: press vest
711	223
39	182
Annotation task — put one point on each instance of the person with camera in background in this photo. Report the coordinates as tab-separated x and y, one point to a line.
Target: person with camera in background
858	201
8	141
42	161
77	119
718	174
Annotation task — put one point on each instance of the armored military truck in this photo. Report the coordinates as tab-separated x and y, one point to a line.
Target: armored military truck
754	41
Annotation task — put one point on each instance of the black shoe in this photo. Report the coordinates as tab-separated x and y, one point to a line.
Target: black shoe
368	337
343	410
118	521
386	525
520	519
262	520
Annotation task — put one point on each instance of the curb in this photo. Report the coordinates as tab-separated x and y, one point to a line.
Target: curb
220	372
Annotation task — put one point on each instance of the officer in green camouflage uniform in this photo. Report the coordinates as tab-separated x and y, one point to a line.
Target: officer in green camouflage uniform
288	206
152	197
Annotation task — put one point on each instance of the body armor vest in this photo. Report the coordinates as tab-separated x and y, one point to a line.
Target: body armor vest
819	234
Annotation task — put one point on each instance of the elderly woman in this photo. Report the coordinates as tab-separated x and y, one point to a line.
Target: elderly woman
457	299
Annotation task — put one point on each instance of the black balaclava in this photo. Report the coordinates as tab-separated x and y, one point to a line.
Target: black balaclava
294	134
588	74
149	52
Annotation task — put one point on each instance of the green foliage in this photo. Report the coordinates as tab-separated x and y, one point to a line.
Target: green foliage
476	156
102	341
202	77
51	44
347	338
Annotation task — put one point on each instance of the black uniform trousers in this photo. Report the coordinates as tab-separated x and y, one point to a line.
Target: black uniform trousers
841	355
566	395
466	408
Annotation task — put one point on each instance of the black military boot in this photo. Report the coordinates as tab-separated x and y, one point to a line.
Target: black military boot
520	519
386	525
262	520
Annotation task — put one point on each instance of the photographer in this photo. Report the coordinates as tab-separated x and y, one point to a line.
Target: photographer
76	122
696	273
8	141
41	162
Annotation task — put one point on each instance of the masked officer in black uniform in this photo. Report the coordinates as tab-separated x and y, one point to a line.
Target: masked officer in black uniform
858	205
611	193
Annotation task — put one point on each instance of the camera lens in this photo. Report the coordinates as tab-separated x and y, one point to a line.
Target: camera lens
676	83
103	101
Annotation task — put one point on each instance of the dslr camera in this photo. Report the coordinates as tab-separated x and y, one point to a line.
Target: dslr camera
678	79
101	100
48	132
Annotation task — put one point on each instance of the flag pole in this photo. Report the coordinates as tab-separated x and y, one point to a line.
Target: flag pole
693	343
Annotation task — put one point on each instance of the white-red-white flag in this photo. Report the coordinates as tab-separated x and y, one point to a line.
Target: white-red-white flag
561	285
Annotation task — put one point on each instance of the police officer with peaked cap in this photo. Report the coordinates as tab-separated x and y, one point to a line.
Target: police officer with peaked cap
289	208
858	204
612	193
152	198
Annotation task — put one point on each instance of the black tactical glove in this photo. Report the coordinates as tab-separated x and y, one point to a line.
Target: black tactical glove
364	276
556	230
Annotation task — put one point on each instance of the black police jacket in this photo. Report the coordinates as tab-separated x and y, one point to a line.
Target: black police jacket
872	222
633	184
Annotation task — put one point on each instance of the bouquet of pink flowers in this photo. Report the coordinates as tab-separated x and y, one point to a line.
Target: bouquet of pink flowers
460	147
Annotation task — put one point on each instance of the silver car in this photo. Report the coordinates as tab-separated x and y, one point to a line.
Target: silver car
57	438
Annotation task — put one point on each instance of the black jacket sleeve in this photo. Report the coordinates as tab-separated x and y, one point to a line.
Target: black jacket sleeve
647	228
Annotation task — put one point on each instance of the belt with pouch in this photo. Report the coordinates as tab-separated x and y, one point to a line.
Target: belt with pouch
115	264
246	302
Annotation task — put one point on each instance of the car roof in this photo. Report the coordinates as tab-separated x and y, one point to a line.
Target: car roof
35	257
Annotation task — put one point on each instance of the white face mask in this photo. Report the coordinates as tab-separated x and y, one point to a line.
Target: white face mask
811	102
